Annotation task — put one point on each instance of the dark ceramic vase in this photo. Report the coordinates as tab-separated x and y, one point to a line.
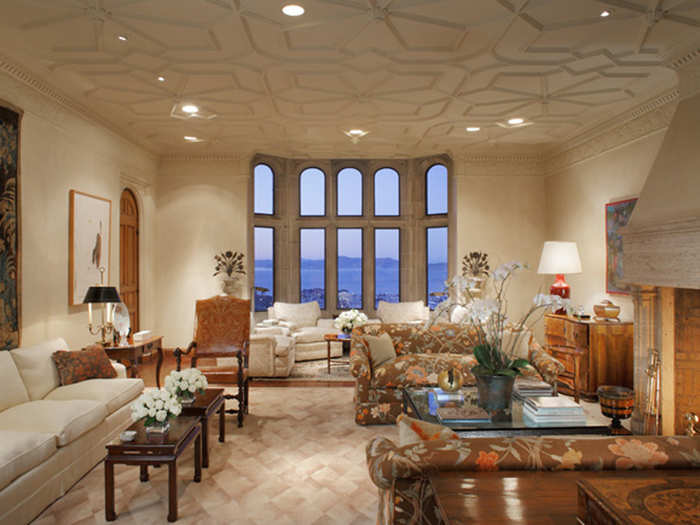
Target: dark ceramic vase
495	392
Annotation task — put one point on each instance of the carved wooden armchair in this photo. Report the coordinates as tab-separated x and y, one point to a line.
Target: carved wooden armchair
222	330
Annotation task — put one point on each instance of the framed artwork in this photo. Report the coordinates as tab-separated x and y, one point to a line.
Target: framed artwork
89	238
9	227
617	215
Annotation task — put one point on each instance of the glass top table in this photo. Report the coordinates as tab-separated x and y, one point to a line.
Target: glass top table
501	424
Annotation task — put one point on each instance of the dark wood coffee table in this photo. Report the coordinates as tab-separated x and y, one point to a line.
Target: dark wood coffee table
155	450
204	406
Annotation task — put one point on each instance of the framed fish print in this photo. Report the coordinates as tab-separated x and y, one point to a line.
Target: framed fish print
617	215
89	238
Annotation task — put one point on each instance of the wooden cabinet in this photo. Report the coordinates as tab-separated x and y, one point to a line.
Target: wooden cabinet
594	353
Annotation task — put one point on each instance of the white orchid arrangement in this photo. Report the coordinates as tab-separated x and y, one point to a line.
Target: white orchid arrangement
156	406
349	319
185	383
486	319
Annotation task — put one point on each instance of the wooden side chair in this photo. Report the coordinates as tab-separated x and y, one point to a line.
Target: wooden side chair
222	330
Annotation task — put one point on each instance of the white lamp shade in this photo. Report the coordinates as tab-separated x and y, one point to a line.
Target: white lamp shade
559	257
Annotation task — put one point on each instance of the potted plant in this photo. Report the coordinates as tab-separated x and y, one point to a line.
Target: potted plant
186	384
348	320
155	407
230	265
486	321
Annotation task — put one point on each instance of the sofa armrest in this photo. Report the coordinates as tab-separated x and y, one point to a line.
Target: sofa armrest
292	327
547	366
327	323
120	368
271	330
359	359
261	354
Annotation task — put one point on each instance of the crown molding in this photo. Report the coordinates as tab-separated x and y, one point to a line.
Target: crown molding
213	157
688	68
38	84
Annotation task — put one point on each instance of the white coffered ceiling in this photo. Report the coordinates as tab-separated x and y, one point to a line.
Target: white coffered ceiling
414	73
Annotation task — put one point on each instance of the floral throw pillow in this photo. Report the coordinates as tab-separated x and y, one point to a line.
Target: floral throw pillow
414	431
91	363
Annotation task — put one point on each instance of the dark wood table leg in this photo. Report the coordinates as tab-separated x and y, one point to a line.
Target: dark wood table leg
222	423
205	441
159	364
328	346
144	473
110	515
172	490
198	458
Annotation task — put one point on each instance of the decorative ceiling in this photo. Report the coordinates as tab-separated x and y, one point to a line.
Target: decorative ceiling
412	73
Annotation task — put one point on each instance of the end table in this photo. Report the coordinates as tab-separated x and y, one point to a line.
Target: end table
334	338
204	406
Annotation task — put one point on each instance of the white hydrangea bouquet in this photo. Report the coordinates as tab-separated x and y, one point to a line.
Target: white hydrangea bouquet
349	319
186	383
156	407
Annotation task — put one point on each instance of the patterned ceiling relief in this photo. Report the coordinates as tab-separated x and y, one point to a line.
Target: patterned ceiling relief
412	73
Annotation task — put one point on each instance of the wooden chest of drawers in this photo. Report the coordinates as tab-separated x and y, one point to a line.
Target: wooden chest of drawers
594	353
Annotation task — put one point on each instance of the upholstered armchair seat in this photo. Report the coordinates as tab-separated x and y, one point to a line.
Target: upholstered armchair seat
306	328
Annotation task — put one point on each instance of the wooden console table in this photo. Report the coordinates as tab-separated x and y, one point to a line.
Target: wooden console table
132	354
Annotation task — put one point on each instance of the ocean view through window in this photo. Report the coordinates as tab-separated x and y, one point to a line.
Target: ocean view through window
312	265
387	249
264	267
349	268
437	264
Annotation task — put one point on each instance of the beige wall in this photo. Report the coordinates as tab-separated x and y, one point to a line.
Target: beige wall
202	209
503	215
61	151
576	197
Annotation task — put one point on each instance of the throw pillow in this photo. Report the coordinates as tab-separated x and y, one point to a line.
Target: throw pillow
414	431
91	363
381	349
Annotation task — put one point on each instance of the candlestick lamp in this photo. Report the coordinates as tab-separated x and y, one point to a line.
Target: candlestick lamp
559	258
108	297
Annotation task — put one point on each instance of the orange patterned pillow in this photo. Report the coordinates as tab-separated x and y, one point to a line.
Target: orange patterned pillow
90	363
414	431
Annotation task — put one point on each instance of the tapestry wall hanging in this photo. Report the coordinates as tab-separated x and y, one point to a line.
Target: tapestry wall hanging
9	228
90	227
617	214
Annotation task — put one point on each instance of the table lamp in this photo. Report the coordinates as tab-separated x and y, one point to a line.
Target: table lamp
559	258
108	296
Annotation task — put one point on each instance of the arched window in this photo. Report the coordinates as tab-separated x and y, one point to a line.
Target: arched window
264	190
386	192
349	192
436	190
312	192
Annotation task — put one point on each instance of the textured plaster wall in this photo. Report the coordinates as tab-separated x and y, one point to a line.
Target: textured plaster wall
202	210
576	197
61	151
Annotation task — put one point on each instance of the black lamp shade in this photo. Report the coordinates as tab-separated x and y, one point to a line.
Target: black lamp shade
102	294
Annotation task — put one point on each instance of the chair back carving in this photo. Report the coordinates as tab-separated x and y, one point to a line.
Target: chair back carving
222	326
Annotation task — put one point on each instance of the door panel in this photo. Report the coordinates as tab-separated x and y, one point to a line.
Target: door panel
129	256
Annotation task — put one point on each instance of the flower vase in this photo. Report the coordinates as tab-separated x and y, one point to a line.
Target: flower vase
158	427
347	331
229	286
186	400
495	392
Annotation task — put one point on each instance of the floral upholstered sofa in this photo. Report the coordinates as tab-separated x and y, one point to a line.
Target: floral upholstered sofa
406	495
422	353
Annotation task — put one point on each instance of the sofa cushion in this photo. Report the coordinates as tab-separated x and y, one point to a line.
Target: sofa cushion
299	314
91	363
22	451
312	335
13	390
404	312
37	368
414	431
113	393
67	420
381	349
421	369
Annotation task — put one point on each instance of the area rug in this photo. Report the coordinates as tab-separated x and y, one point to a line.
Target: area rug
316	371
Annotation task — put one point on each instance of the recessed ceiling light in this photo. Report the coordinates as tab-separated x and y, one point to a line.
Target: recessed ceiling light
606	13
293	10
357	132
190	138
161	79
123	38
515	121
190	108
473	129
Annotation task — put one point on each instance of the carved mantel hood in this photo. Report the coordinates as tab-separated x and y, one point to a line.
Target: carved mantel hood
662	239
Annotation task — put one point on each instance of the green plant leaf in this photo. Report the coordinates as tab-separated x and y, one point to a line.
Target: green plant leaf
519	363
507	372
480	370
483	355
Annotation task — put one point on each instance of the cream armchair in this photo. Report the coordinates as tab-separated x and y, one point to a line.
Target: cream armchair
307	328
413	312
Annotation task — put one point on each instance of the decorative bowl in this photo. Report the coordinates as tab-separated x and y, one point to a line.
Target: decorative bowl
450	380
606	310
616	402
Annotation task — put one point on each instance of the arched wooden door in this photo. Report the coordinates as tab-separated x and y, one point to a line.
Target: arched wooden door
129	256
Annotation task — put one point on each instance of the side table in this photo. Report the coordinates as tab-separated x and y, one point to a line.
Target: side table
204	406
150	449
131	355
334	338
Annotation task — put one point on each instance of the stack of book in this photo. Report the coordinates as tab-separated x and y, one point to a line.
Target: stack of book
454	408
548	410
526	387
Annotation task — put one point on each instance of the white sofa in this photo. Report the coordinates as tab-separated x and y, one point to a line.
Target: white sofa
405	312
307	328
52	435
